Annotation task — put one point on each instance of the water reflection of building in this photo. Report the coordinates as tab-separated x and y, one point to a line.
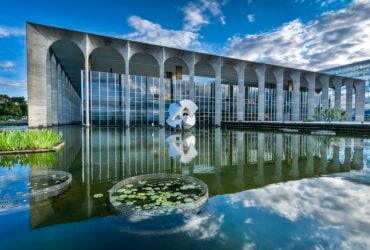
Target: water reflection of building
227	161
114	153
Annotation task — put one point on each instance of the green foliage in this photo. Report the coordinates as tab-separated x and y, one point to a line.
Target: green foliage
310	119
29	139
14	107
334	114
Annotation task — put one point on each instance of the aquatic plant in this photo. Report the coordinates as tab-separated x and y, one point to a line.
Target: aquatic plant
163	196
29	139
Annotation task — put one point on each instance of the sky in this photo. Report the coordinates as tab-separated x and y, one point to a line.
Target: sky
307	34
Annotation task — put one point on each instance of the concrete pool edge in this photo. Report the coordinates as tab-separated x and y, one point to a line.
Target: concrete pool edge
302	127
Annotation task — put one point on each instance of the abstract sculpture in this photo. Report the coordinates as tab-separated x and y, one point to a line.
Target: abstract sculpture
182	114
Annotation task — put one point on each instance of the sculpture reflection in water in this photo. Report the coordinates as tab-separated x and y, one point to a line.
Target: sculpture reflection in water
227	161
182	146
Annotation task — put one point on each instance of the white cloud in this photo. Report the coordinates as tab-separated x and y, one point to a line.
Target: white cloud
334	38
7	64
22	84
146	30
250	18
332	203
198	14
11	31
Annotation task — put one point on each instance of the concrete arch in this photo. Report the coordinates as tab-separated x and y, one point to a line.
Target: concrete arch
107	59
64	62
139	60
71	57
251	77
204	69
172	63
229	75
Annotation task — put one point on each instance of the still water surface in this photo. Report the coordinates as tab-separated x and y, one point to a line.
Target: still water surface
267	190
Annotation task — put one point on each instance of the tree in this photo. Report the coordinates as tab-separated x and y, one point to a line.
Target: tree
334	114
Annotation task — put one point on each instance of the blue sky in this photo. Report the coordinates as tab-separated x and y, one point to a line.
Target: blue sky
311	34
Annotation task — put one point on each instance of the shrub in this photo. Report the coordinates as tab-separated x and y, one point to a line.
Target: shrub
334	114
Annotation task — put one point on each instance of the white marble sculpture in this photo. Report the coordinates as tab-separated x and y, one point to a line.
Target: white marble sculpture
182	114
182	146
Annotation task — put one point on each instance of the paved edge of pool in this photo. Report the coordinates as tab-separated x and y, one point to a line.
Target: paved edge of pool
305	127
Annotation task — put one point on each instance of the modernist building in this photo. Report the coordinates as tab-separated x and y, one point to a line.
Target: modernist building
77	77
360	70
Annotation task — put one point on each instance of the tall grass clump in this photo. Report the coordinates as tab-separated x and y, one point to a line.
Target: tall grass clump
29	139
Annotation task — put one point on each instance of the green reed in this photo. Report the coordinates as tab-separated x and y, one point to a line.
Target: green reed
29	139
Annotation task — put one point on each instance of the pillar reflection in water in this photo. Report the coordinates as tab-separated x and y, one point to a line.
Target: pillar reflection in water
243	159
227	161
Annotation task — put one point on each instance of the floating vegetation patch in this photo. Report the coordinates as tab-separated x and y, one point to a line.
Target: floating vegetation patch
158	194
40	185
97	196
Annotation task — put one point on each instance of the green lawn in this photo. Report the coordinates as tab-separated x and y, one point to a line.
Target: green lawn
29	139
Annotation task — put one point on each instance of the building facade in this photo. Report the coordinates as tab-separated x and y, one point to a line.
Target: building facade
77	77
360	70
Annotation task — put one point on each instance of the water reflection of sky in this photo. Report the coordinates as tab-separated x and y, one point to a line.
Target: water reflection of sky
326	212
260	198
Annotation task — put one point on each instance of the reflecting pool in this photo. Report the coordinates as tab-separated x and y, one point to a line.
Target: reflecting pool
266	190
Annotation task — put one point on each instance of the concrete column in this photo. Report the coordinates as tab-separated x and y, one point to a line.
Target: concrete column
311	81
37	51
325	91
54	92
296	100
279	77
60	94
64	96
87	81
261	74
240	70
338	91
126	82
162	89
191	65
349	94
217	64
49	89
360	101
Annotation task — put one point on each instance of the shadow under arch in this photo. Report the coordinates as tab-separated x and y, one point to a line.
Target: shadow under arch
64	62
143	64
71	59
107	59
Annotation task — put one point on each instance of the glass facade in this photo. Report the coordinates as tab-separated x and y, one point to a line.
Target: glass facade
270	104
107	100
251	104
360	70
229	102
107	95
205	99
